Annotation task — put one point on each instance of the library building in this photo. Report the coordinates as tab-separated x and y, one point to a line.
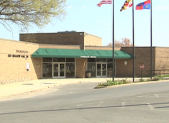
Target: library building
72	54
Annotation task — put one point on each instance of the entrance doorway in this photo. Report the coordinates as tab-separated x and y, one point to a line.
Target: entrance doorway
58	70
101	69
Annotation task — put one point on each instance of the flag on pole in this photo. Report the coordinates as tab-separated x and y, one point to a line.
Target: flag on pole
127	4
143	5
104	2
148	5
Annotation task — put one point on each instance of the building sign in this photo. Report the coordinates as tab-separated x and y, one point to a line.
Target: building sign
92	56
21	51
88	56
18	55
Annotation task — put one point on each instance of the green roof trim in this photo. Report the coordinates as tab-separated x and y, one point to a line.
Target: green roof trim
78	53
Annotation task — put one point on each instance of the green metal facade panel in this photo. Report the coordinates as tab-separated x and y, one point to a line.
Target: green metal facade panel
77	53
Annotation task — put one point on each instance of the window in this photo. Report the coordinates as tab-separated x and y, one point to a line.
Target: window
101	59
91	60
70	70
58	59
47	70
47	59
109	60
91	67
70	60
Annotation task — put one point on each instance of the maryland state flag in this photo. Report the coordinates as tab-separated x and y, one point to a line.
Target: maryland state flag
127	4
143	5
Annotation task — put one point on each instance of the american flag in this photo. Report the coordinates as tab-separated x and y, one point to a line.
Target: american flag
104	2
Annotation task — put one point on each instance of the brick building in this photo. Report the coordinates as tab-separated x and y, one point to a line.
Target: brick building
71	55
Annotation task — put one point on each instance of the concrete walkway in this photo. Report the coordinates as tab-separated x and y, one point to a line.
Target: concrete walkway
14	89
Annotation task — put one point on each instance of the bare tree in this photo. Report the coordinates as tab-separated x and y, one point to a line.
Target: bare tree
125	42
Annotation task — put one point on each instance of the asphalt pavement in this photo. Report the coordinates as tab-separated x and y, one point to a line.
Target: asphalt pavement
41	86
20	88
81	103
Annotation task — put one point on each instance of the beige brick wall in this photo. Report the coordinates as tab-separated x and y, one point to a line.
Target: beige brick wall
81	67
13	69
92	40
162	60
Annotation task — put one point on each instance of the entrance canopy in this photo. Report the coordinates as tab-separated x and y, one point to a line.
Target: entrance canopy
78	53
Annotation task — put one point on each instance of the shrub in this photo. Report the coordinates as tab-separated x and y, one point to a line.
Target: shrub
159	77
143	80
155	79
125	81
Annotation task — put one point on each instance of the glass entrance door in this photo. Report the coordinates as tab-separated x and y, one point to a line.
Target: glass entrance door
59	70
101	69
55	70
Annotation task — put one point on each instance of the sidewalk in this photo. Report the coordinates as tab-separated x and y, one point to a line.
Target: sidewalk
14	89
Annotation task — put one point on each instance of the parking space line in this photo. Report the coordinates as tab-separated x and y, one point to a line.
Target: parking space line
150	106
100	103
123	104
139	96
79	105
156	95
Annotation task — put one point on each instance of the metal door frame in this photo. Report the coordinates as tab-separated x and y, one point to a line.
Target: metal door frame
58	70
101	69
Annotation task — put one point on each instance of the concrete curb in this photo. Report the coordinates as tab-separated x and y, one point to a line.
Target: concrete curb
128	84
26	92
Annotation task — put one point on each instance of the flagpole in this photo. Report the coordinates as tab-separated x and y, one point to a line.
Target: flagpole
113	40
151	38
133	42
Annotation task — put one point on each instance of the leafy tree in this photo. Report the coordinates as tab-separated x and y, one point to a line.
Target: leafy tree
26	13
125	42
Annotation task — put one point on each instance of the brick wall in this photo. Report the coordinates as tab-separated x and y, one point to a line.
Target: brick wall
101	48
69	38
161	60
81	67
13	69
59	46
92	40
124	70
73	38
142	57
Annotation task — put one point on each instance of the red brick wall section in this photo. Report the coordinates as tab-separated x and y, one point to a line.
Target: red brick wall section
69	38
142	57
13	69
59	46
74	38
123	70
101	48
80	67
